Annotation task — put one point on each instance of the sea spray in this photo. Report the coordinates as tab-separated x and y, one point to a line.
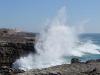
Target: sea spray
57	41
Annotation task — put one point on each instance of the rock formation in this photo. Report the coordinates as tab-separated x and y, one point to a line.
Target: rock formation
14	44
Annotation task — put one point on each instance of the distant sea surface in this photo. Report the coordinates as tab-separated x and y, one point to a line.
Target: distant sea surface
95	38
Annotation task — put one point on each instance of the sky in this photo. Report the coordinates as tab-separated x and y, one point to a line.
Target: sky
30	15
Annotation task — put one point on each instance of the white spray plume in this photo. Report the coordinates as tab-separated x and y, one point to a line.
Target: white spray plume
55	42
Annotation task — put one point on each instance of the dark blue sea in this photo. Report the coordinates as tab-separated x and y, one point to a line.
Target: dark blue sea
95	39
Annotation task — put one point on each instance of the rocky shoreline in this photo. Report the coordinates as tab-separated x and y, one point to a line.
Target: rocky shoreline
14	44
90	67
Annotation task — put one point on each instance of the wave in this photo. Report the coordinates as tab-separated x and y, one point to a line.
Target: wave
56	41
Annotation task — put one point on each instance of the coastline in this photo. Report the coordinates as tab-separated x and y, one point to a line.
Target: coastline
14	44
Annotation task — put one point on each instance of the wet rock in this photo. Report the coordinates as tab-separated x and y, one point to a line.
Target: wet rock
75	60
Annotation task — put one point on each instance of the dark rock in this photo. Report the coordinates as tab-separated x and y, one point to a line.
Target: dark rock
15	44
54	73
92	61
75	60
5	70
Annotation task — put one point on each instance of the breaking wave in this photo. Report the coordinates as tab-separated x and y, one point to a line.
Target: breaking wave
56	41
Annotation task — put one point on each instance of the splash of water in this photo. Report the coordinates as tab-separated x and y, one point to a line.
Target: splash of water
55	42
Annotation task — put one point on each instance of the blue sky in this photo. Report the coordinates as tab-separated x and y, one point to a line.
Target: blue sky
30	15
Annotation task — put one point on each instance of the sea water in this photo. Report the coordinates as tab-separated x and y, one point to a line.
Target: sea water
95	39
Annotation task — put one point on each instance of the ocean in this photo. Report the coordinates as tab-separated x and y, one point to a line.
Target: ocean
95	39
